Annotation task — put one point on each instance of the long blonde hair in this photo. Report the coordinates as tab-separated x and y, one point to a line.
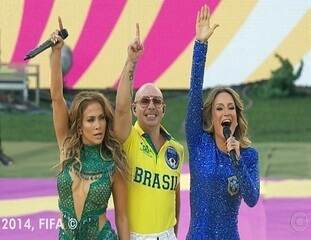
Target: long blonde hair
241	130
73	142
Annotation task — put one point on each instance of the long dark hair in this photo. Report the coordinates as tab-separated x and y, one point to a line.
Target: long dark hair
73	142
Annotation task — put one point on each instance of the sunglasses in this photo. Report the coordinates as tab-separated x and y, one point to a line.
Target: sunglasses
146	100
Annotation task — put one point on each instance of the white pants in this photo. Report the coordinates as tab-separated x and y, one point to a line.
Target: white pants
166	235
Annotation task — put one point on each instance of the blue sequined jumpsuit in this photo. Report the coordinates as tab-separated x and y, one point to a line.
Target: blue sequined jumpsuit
216	185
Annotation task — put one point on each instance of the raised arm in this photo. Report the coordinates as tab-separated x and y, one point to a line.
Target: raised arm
123	114
60	111
194	122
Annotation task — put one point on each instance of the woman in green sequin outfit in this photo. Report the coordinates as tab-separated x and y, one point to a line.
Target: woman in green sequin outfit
91	160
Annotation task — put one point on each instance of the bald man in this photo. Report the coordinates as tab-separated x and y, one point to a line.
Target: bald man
154	156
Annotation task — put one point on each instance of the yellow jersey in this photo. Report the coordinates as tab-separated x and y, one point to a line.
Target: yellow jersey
153	180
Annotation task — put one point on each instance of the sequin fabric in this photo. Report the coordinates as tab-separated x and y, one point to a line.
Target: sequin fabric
216	186
99	170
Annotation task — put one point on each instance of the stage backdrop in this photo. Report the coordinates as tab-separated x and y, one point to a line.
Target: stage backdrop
241	50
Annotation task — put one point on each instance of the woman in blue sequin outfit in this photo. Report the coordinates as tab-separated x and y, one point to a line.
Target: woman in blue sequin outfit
217	184
92	163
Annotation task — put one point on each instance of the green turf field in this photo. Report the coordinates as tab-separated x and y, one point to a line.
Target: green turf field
270	120
277	160
279	128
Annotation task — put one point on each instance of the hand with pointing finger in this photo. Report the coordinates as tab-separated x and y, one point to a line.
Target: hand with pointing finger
135	49
55	38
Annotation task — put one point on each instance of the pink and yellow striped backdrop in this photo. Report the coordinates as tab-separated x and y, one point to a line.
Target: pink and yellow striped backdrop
241	50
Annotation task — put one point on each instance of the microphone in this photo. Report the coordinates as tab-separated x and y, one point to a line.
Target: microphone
47	44
227	134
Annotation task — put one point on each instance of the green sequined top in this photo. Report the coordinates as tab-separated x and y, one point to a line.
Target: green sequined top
94	167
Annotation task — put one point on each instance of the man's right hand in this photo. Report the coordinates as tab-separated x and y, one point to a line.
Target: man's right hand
135	49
